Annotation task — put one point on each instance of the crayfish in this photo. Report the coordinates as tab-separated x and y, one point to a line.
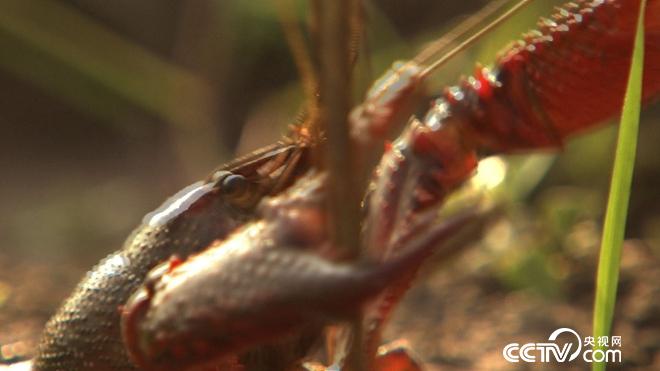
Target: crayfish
240	271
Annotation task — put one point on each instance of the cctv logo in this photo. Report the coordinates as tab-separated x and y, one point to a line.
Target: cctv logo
550	351
547	352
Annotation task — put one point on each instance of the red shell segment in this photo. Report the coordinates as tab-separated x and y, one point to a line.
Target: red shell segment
483	84
568	76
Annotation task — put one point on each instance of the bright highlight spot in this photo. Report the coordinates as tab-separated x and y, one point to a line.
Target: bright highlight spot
490	173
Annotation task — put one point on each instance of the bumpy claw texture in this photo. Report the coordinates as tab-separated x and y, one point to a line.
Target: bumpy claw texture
84	334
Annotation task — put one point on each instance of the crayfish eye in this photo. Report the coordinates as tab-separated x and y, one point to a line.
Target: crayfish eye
234	185
235	188
219	176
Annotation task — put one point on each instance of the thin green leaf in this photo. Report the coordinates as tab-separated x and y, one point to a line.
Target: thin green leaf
617	205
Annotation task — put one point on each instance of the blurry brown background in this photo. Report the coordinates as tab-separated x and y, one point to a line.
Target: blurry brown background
107	108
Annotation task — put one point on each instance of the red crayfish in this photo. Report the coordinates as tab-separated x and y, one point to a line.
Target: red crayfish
253	277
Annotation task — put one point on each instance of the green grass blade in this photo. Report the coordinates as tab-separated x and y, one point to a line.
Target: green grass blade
617	205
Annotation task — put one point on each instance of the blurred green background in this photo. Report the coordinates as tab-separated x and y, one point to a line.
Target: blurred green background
107	108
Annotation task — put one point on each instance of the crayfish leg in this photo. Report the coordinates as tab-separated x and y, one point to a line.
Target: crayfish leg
394	356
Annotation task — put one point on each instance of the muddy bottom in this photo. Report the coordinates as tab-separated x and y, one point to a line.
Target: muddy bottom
461	317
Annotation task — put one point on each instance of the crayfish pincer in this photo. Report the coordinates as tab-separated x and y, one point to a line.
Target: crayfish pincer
268	284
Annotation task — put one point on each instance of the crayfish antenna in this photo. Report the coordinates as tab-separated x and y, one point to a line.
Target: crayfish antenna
302	58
